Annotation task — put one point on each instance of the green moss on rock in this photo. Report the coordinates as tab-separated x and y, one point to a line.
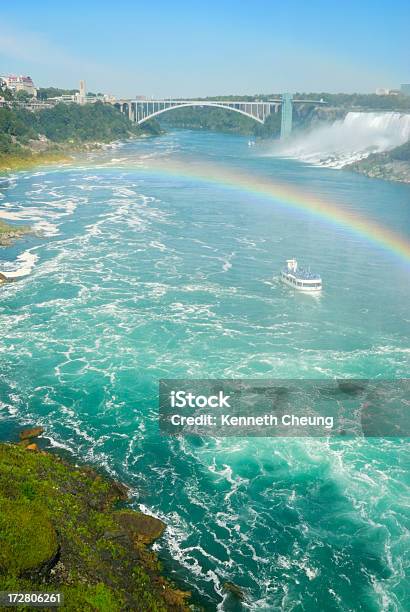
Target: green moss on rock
9	233
60	530
28	540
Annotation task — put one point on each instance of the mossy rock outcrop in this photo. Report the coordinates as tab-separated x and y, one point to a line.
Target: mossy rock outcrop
33	432
28	540
61	530
144	528
9	233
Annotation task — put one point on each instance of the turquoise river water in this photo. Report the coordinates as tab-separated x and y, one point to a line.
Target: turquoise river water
138	275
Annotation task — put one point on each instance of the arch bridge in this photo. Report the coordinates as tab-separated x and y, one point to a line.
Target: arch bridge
142	110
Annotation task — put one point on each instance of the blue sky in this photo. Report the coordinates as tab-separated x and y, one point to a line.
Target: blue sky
195	48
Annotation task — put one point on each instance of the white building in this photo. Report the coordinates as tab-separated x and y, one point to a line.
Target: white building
382	91
20	83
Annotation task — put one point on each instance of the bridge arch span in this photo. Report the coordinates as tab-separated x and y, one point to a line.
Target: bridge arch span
200	104
141	110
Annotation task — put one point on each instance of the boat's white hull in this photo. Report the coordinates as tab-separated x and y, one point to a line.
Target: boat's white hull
305	288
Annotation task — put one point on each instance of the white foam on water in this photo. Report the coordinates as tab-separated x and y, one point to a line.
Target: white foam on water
45	228
158	245
123	191
58	444
23	265
13	216
11	410
227	265
112	145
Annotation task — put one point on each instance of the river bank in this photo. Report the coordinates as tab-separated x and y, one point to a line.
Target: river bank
28	160
51	154
9	233
66	528
383	166
54	134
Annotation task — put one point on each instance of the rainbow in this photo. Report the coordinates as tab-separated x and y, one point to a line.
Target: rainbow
283	195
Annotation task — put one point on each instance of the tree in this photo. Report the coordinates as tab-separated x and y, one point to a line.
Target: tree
22	96
43	93
4	92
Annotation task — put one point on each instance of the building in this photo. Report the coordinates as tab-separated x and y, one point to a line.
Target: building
383	91
405	89
82	94
20	83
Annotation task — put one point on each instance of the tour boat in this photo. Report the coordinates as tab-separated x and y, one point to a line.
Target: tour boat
299	278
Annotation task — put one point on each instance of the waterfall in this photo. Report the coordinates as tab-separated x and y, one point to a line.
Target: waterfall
347	140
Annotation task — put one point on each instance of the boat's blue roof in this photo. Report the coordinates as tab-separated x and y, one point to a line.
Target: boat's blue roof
302	274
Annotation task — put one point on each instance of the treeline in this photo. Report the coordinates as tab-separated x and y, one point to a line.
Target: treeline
89	123
15	132
220	120
43	93
65	123
52	92
397	102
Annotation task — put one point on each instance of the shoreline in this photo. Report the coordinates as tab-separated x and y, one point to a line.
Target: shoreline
58	153
381	167
63	153
12	163
9	234
127	568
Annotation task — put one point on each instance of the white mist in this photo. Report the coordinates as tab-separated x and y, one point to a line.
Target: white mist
347	140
